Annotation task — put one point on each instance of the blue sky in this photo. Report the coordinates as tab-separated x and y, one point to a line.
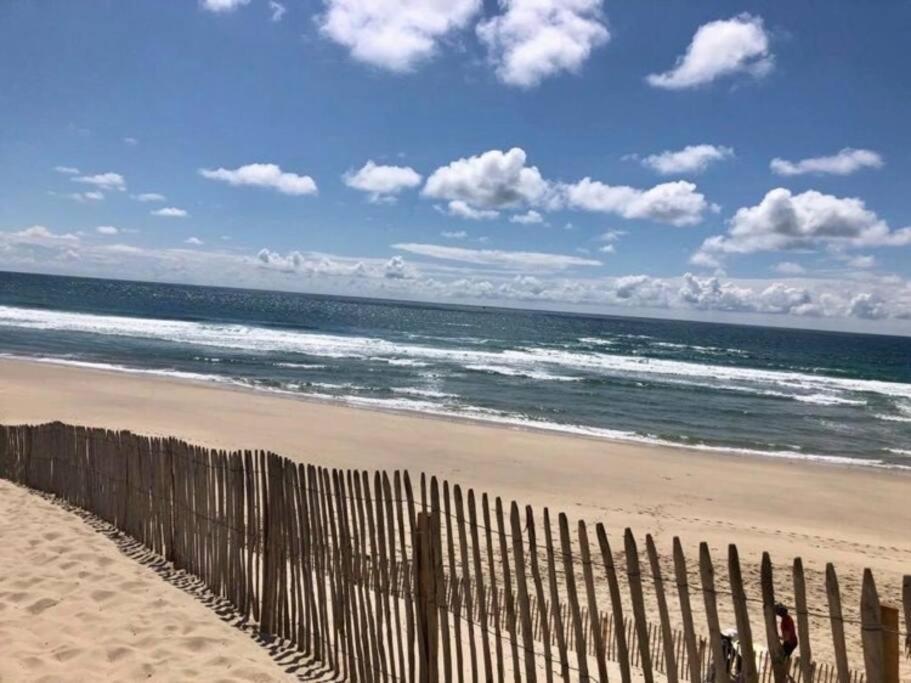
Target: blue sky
573	154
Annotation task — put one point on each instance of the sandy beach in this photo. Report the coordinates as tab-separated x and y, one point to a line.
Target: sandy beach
853	516
74	608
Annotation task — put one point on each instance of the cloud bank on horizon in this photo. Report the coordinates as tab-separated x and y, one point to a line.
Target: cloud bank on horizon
553	153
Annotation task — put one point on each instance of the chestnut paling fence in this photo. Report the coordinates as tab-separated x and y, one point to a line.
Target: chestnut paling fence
380	580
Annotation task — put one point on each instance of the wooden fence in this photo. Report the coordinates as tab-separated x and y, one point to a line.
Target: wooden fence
382	582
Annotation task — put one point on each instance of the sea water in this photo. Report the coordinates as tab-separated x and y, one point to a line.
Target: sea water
734	388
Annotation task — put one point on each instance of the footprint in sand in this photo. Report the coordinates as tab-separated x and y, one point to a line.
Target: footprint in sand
41	605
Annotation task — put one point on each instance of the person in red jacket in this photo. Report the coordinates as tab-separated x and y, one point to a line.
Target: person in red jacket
788	630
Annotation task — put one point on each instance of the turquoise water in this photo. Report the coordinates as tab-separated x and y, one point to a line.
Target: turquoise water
786	393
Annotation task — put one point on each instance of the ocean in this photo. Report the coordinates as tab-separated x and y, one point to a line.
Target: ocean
740	389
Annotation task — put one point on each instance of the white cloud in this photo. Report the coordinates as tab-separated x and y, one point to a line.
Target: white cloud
394	34
502	259
149	197
263	175
677	203
720	48
41	232
535	39
395	268
382	182
107	230
611	235
315	265
861	261
460	209
278	10
608	249
67	170
492	180
789	268
528	218
104	181
221	6
811	220
170	212
714	294
85	197
690	159
845	162
867	305
130	141
193	241
454	234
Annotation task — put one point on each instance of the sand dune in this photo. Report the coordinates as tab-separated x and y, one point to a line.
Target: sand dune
74	608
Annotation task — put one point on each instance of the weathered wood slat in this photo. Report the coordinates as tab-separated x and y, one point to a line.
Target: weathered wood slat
667	636
872	630
742	615
803	621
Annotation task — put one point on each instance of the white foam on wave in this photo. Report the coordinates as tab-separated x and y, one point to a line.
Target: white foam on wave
301	366
535	363
114	367
905	453
827	400
427	393
508	371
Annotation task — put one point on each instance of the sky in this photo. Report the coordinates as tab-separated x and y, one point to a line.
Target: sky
725	161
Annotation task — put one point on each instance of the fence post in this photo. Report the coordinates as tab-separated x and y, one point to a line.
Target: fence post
906	600
425	594
889	620
871	630
838	626
803	621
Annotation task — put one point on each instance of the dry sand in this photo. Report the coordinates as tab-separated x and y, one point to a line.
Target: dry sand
74	608
853	516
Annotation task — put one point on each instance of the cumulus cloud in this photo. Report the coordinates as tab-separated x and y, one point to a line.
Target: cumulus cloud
492	257
107	230
103	181
690	159
149	197
492	180
263	175
131	141
845	162
720	48
382	182
193	241
67	170
313	265
714	294
395	268
461	209
222	6
394	34
170	212
677	203
867	305
528	218
278	10
535	39
810	220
